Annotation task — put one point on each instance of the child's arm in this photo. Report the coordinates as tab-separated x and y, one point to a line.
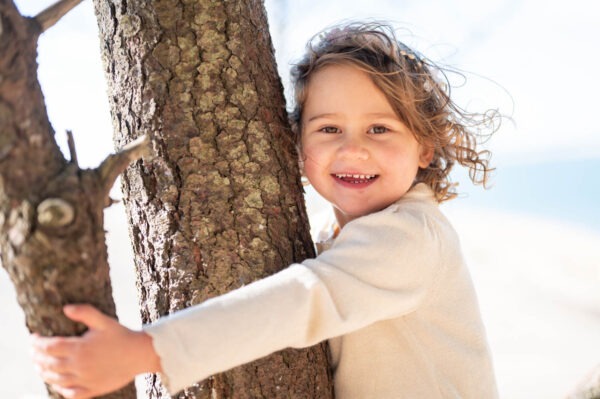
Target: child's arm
381	266
105	358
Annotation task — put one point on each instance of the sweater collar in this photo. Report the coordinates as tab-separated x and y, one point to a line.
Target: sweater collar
419	191
326	237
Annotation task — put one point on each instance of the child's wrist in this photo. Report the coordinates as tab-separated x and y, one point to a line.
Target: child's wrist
150	361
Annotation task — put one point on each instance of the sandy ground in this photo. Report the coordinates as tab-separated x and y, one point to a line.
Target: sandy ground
537	282
538	288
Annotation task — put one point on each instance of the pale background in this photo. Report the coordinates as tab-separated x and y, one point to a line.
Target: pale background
532	241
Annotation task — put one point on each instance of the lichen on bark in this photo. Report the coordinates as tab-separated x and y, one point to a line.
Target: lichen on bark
221	205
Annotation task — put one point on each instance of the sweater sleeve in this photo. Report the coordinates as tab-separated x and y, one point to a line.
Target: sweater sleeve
381	266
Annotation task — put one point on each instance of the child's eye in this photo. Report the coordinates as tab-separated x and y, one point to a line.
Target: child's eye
378	129
329	129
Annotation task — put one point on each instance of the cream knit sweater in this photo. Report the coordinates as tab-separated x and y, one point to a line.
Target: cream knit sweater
392	295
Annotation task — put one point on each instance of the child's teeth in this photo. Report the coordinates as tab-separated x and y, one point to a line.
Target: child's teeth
353	176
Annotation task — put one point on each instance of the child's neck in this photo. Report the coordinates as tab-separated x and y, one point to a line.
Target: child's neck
342	218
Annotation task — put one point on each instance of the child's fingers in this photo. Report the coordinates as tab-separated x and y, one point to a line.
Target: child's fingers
88	315
72	392
51	363
58	379
52	346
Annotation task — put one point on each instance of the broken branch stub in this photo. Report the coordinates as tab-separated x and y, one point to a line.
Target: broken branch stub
55	212
55	12
115	164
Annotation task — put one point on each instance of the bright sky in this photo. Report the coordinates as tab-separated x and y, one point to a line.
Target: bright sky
540	53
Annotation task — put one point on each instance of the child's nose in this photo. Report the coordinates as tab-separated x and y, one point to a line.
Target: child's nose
354	148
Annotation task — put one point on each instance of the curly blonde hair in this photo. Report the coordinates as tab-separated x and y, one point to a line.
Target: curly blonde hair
420	100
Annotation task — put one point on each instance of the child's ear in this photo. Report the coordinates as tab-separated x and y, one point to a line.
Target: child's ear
426	156
300	158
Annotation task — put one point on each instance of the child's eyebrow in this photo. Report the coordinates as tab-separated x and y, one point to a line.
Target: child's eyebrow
322	116
385	115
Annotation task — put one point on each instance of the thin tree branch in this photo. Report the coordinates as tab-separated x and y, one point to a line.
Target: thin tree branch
55	12
115	164
71	143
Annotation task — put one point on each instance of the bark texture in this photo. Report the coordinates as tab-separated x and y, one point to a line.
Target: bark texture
51	221
221	204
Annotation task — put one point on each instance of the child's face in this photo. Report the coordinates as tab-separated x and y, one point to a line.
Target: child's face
357	153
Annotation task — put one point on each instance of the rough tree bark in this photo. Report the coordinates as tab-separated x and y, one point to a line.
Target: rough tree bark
221	204
51	220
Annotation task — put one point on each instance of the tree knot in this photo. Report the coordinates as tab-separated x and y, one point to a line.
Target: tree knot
55	212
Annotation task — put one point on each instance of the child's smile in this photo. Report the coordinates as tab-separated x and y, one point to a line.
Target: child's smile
355	180
357	153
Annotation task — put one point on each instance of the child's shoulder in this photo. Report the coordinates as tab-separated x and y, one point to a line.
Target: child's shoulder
412	230
412	207
418	205
419	195
414	218
417	213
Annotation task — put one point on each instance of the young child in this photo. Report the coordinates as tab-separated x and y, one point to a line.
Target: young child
378	136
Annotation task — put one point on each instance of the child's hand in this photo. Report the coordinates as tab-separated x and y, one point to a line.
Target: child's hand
104	359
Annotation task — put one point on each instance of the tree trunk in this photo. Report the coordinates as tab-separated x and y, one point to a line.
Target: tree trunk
51	238
221	204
